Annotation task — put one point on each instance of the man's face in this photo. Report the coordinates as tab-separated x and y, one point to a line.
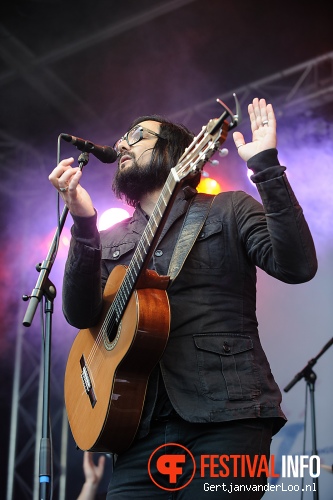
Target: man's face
137	173
140	153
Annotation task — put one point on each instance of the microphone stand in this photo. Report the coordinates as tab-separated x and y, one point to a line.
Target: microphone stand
45	288
310	377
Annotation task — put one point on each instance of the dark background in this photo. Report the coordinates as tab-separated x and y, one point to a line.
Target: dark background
88	68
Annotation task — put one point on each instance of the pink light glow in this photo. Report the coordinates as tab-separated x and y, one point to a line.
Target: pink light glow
111	217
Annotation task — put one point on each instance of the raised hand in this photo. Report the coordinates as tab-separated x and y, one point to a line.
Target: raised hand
263	126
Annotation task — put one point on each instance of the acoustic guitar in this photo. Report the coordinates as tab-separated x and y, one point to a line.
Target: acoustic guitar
109	364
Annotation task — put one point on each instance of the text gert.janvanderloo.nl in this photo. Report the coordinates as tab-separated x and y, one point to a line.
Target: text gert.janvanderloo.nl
173	467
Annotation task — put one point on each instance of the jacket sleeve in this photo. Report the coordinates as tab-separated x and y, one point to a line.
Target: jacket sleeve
82	291
279	242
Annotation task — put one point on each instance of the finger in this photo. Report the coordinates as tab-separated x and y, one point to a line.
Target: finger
63	165
74	180
59	170
267	113
100	466
258	107
87	458
238	139
68	174
253	119
69	180
271	115
66	162
63	174
263	112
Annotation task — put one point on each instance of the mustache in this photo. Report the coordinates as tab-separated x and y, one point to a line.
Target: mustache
125	153
132	155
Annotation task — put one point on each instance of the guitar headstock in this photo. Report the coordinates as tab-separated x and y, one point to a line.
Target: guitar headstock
209	140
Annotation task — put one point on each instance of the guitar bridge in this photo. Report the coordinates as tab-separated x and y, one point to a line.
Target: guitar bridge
86	380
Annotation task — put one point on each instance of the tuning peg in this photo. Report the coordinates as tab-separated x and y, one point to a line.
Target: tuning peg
223	152
214	163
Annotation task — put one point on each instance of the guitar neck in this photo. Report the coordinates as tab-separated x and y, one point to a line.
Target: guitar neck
147	244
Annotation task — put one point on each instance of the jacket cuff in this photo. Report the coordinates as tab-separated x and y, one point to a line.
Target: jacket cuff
265	166
85	229
276	194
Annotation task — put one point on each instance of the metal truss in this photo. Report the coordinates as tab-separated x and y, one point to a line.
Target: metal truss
294	90
36	72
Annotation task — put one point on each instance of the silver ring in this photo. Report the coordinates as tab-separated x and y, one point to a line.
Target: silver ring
240	146
265	122
63	190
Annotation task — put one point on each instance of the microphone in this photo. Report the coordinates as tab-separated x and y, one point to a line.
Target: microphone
105	154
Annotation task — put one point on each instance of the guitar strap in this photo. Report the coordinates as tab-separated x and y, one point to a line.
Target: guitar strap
196	215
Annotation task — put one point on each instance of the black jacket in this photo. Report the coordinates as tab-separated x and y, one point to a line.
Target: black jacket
214	368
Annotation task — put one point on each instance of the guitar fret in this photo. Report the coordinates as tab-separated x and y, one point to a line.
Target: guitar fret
128	285
135	260
121	302
123	297
130	273
115	318
157	208
153	219
112	318
163	198
155	222
140	256
117	305
151	232
145	236
141	244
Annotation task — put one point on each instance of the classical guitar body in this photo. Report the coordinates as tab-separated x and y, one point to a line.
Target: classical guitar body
107	375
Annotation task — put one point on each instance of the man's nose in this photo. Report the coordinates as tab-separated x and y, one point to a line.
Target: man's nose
123	145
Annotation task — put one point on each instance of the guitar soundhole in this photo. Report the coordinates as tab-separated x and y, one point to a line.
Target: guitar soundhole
86	380
112	336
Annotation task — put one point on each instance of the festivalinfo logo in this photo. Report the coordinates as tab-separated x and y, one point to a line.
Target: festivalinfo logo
172	467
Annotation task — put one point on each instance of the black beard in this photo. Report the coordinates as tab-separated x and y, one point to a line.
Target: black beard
135	181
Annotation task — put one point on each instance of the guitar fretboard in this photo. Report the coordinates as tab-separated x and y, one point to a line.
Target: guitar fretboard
141	255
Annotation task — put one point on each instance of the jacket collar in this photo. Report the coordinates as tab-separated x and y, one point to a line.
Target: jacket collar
180	205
